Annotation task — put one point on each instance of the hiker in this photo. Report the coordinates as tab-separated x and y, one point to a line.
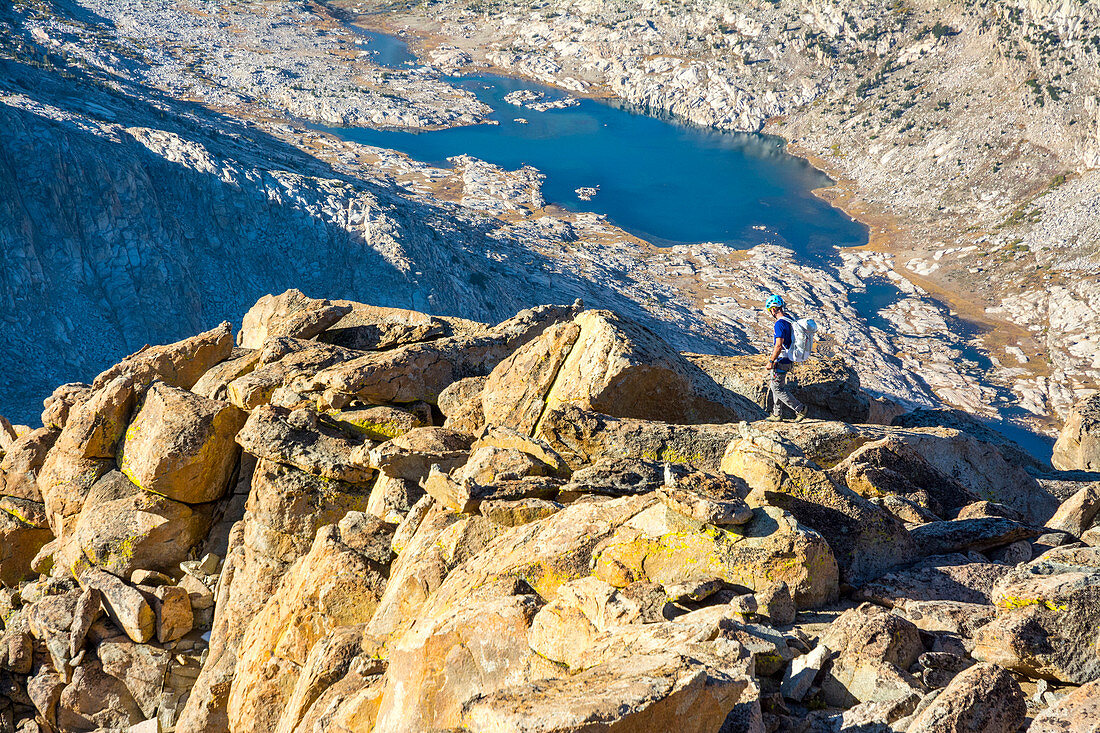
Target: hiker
780	363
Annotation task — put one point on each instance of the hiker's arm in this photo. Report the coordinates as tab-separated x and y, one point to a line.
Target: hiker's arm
776	351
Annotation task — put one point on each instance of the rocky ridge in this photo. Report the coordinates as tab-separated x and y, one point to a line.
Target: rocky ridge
352	517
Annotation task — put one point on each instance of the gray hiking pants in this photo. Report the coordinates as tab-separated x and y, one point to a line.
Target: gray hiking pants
780	393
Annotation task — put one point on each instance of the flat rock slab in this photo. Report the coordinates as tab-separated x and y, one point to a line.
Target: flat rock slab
584	437
939	578
300	439
467	496
643	693
125	605
490	464
694	590
618	477
375	328
513	513
959	535
377	422
510	439
412	455
772	547
953	617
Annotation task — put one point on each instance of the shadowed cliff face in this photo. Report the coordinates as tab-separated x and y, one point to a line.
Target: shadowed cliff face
120	237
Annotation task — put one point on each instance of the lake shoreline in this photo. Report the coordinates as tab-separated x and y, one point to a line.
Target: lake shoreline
738	189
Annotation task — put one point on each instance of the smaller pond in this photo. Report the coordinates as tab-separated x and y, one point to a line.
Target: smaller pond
664	182
386	50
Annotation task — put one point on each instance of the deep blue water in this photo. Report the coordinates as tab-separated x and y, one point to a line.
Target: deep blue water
664	182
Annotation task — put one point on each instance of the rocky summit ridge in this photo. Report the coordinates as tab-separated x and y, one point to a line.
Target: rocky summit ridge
356	518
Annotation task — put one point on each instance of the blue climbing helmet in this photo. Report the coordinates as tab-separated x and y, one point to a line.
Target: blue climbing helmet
774	301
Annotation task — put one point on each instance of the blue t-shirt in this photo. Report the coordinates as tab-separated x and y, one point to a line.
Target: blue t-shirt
784	331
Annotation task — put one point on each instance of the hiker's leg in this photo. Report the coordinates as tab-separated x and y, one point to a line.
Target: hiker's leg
775	385
780	393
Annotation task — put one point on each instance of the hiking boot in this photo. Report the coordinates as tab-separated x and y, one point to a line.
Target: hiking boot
801	415
774	418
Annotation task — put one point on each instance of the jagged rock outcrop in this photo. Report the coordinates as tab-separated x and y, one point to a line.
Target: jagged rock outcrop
1047	616
561	569
873	650
983	698
279	362
866	539
604	363
291	314
286	507
300	438
422	371
20	543
178	365
1075	711
180	445
338	583
22	461
374	328
123	528
1078	445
